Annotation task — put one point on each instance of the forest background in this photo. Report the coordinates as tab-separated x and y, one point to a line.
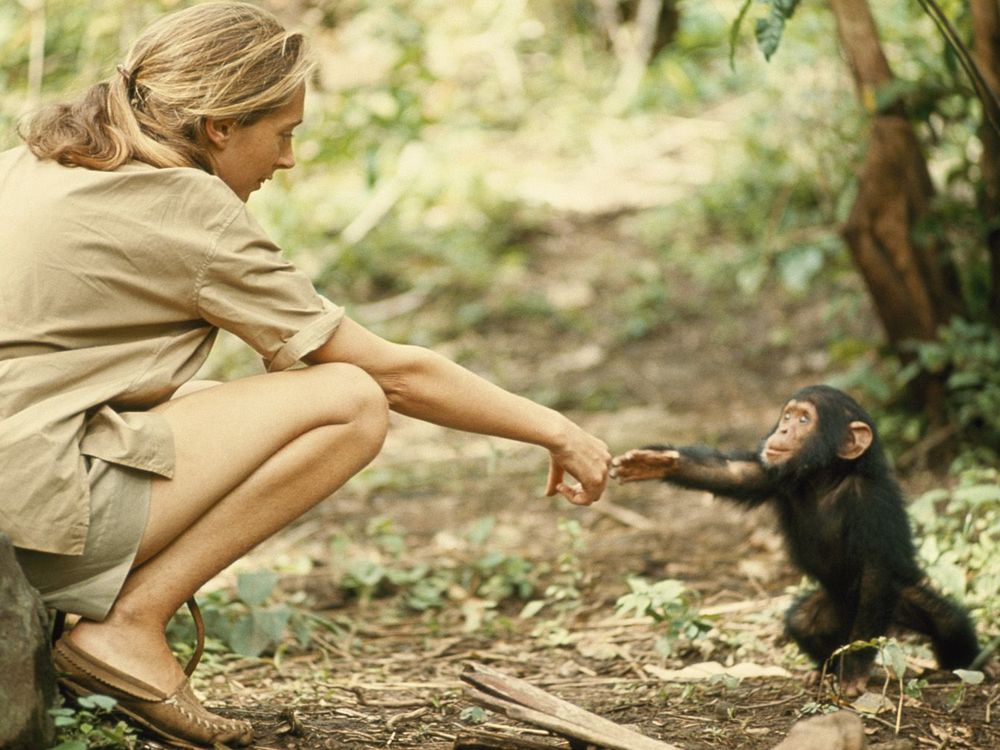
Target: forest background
629	211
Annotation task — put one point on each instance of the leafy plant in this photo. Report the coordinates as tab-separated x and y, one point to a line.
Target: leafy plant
966	678
473	715
968	355
489	575
91	725
570	574
250	623
769	29
892	658
915	687
814	708
958	530
668	602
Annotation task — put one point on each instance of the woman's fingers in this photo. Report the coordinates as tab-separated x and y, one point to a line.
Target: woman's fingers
556	474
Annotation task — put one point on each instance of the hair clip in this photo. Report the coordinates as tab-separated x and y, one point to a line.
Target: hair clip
131	90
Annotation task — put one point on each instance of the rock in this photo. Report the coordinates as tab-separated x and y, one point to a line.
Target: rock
28	683
841	730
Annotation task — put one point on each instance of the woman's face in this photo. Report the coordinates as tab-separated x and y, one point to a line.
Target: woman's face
245	156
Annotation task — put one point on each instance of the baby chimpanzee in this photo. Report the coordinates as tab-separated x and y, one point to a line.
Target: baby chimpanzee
844	523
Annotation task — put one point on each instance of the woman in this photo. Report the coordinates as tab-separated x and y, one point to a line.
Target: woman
126	246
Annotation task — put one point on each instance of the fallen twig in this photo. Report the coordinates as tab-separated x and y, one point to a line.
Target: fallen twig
522	701
392	721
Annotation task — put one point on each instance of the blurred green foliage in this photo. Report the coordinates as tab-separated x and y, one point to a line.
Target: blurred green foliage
416	104
958	530
415	201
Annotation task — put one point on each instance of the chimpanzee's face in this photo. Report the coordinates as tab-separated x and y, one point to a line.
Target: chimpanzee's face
796	425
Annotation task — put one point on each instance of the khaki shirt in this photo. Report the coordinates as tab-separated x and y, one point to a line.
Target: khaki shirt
113	286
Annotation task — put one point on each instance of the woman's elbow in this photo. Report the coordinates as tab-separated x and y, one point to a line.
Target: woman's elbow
410	379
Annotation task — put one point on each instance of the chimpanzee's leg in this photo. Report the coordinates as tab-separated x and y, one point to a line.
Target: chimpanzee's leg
953	637
816	625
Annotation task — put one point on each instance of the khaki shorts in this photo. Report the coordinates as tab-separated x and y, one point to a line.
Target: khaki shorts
88	584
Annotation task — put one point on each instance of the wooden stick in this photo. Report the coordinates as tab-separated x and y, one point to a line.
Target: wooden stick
522	701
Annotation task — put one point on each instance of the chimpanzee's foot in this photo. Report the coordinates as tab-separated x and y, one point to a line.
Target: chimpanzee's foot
852	687
812	678
991	669
849	687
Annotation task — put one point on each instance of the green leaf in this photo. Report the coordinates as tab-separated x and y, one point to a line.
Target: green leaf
962	379
481	530
255	588
492	559
969	677
532	608
473	715
895	659
257	631
893	92
366	573
786	7
799	266
102	702
768	32
978	494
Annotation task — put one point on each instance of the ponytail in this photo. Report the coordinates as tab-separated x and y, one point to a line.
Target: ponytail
214	60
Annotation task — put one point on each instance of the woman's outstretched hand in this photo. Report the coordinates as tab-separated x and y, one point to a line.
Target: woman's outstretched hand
587	459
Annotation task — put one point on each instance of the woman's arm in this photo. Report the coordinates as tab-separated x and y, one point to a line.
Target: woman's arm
422	384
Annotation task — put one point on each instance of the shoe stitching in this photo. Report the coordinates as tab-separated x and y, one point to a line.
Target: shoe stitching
215	726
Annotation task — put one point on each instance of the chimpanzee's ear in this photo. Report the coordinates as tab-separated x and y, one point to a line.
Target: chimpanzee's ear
859	439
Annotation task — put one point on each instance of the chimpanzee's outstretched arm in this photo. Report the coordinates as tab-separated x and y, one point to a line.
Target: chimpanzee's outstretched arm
739	475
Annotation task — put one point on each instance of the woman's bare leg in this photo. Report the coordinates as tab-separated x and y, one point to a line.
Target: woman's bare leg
252	456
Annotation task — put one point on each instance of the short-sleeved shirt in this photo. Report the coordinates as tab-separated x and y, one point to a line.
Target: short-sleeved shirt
113	286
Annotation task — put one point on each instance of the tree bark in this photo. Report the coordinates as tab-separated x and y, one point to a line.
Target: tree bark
913	286
986	52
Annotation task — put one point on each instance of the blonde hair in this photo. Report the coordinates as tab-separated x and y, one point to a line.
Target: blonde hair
215	60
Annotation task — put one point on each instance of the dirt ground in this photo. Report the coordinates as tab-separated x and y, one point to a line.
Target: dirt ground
389	677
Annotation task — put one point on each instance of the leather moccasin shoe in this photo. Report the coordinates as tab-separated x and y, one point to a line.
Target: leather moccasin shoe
177	717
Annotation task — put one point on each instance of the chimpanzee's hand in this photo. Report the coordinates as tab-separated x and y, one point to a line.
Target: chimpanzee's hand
643	463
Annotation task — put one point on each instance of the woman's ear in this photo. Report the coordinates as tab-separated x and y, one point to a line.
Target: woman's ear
859	439
219	130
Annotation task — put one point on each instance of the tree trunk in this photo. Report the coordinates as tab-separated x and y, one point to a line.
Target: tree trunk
912	286
986	51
